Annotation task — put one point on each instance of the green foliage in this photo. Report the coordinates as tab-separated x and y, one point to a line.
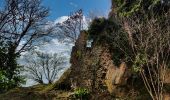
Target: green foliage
3	80
109	31
81	93
78	54
6	83
127	9
96	27
117	56
139	62
9	69
130	7
120	40
101	28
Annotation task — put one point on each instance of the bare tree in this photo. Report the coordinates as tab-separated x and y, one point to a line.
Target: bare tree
21	26
44	67
150	46
22	23
72	26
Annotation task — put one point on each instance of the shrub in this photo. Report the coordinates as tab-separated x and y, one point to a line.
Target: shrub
102	27
9	69
78	54
130	7
96	27
6	83
81	93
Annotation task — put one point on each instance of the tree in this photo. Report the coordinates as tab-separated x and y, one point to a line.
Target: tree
71	27
151	47
44	67
147	32
6	80
131	7
21	25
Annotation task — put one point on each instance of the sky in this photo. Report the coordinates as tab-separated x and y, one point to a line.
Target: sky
60	8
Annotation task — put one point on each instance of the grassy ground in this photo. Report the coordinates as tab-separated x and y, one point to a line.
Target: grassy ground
39	92
35	93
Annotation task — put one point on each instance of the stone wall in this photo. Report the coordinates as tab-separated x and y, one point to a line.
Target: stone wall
93	68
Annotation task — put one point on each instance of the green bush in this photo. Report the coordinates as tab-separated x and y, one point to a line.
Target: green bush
140	60
96	27
130	7
6	83
101	27
9	69
3	81
81	93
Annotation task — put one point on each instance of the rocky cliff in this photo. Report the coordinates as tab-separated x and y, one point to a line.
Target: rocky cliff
93	68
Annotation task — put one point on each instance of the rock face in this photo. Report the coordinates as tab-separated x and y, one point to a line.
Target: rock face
167	76
116	77
93	68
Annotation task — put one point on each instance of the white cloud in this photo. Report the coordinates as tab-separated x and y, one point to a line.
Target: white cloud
73	4
61	19
64	18
55	46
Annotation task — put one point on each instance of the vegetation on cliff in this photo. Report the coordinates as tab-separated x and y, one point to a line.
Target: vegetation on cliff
142	40
129	57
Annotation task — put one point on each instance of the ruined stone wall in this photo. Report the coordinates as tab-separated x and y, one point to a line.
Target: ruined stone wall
93	68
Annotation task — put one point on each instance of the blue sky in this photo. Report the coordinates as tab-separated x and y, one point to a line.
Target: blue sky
60	8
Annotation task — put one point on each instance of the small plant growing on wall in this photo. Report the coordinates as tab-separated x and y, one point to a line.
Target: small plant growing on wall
81	93
78	54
